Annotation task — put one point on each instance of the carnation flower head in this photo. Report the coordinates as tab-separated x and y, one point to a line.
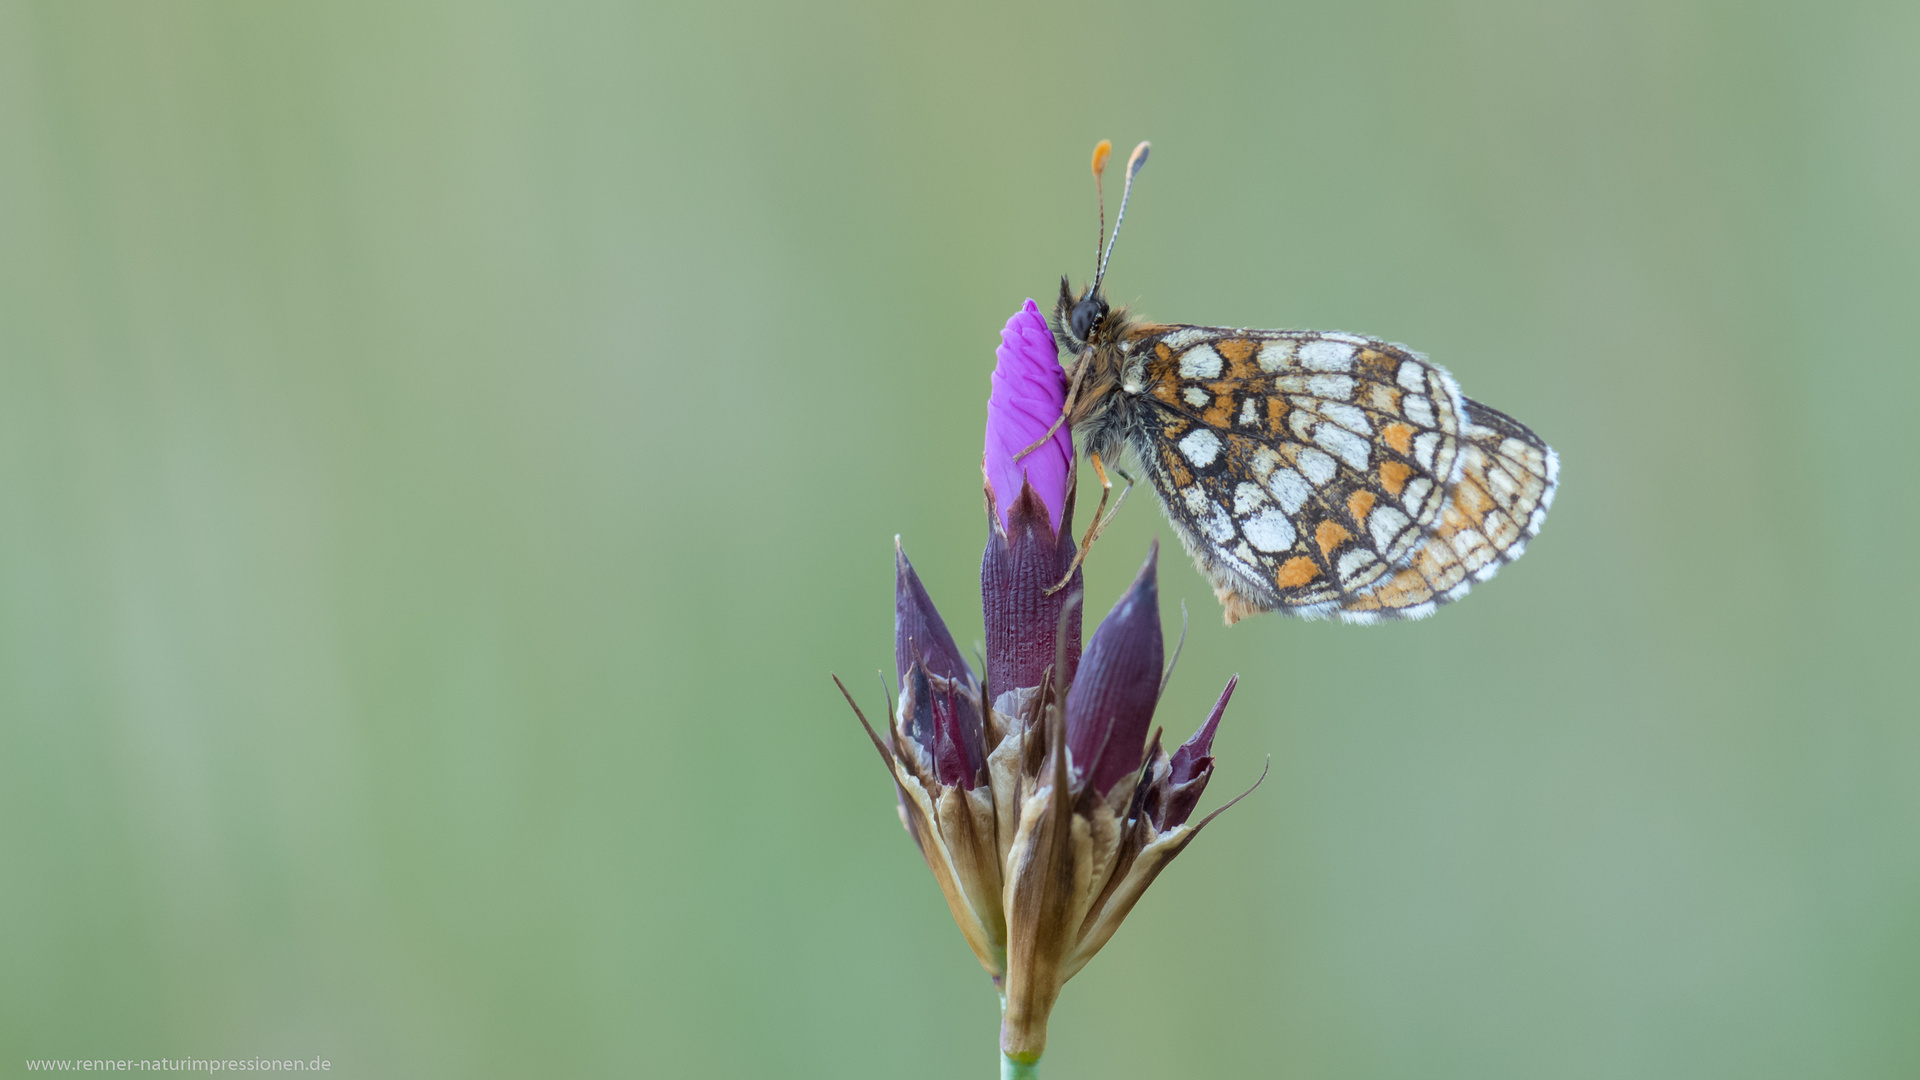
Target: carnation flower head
1036	790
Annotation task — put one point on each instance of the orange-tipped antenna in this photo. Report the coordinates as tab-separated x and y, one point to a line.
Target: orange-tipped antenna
1134	162
1100	154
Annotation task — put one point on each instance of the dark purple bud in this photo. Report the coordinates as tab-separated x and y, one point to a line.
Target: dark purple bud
943	718
1192	765
1110	704
1022	621
918	631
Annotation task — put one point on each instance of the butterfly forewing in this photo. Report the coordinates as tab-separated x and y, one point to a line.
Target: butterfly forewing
1328	473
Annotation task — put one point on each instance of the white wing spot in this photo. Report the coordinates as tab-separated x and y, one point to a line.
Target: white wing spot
1269	530
1413	376
1472	548
1351	448
1200	362
1247	498
1332	387
1249	414
1275	355
1418	408
1385	523
1416	495
1218	523
1290	488
1318	466
1200	446
1423	447
1264	461
1301	421
1326	354
1180	339
1353	562
1196	500
1245	556
1347	417
1196	397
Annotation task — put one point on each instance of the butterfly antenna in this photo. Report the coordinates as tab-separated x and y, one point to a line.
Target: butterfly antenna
1134	162
1100	155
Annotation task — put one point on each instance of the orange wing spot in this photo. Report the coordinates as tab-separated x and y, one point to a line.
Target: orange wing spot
1160	350
1276	415
1385	398
1239	357
1393	476
1296	572
1164	391
1378	366
1472	498
1176	469
1360	504
1329	535
1403	589
1400	437
1220	413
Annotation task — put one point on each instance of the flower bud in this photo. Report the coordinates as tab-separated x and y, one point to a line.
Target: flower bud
1029	509
1024	624
1110	708
918	631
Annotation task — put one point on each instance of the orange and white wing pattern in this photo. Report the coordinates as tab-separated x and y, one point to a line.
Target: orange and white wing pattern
1329	474
1507	480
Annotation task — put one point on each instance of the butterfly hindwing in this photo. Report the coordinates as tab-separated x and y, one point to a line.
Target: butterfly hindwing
1507	482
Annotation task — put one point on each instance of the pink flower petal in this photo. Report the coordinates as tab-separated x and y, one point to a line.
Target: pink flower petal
1029	389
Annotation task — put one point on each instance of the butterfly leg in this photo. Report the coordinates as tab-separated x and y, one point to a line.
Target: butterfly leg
1101	516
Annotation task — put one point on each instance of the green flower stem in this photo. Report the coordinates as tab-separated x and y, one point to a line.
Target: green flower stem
1014	1070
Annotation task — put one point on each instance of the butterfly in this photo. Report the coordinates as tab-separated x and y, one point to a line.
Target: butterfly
1320	474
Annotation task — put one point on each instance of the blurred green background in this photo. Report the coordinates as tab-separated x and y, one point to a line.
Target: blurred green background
444	448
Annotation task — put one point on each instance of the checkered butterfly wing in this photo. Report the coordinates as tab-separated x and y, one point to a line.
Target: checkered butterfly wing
1328	474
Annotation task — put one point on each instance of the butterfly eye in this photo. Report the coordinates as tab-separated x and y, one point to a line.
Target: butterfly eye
1087	315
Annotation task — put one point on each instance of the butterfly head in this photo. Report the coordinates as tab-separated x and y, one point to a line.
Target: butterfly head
1078	319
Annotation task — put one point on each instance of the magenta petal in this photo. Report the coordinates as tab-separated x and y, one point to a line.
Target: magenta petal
1110	704
1029	390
